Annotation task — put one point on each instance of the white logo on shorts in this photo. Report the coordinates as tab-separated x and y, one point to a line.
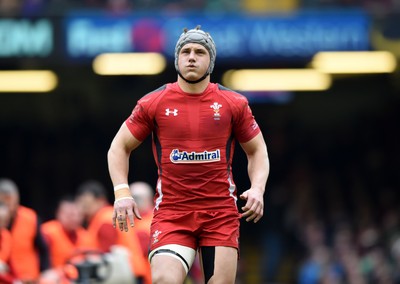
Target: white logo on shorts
155	236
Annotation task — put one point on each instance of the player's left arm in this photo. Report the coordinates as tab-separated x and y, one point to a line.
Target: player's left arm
258	170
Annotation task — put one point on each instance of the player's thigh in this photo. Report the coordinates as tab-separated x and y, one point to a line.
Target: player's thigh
166	269
219	264
171	263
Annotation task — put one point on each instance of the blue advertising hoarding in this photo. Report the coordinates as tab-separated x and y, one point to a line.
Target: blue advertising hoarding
238	37
26	38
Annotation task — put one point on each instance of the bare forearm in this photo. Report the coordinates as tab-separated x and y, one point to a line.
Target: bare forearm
258	169
124	204
118	164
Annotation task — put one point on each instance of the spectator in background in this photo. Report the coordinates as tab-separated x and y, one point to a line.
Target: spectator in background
144	196
10	8
345	252
29	253
92	198
65	235
374	263
5	245
319	265
395	254
119	6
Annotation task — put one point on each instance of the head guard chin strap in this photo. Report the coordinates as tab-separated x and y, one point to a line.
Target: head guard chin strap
196	35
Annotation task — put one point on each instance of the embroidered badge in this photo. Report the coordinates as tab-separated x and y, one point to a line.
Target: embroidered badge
216	106
155	236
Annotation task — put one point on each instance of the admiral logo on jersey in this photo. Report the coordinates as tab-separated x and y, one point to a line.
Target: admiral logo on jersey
195	157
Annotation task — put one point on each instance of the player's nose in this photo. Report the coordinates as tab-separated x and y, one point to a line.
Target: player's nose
192	55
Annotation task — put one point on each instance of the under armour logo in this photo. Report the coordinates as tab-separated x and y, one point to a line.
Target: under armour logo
168	112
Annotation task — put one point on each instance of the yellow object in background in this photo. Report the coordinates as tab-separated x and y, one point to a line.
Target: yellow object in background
28	81
265	6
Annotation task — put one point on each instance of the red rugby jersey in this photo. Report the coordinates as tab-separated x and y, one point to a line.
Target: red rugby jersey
193	144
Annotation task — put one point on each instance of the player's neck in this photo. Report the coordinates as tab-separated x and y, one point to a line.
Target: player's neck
197	88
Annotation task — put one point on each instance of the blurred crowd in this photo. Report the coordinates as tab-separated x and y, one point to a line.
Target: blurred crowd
57	7
332	208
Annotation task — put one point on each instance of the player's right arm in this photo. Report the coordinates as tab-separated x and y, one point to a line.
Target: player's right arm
118	165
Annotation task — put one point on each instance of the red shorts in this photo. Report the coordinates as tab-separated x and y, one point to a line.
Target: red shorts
195	229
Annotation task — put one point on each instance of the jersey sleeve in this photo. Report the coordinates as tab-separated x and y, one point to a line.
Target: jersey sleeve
139	123
245	126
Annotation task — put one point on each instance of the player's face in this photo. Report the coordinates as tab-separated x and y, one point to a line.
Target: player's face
193	61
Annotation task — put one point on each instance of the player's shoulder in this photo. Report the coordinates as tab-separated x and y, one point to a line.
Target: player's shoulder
231	95
158	93
154	93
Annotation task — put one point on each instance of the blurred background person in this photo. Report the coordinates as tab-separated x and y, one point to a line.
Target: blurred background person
143	194
144	197
10	7
5	244
374	262
92	198
29	253
65	235
319	265
395	254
